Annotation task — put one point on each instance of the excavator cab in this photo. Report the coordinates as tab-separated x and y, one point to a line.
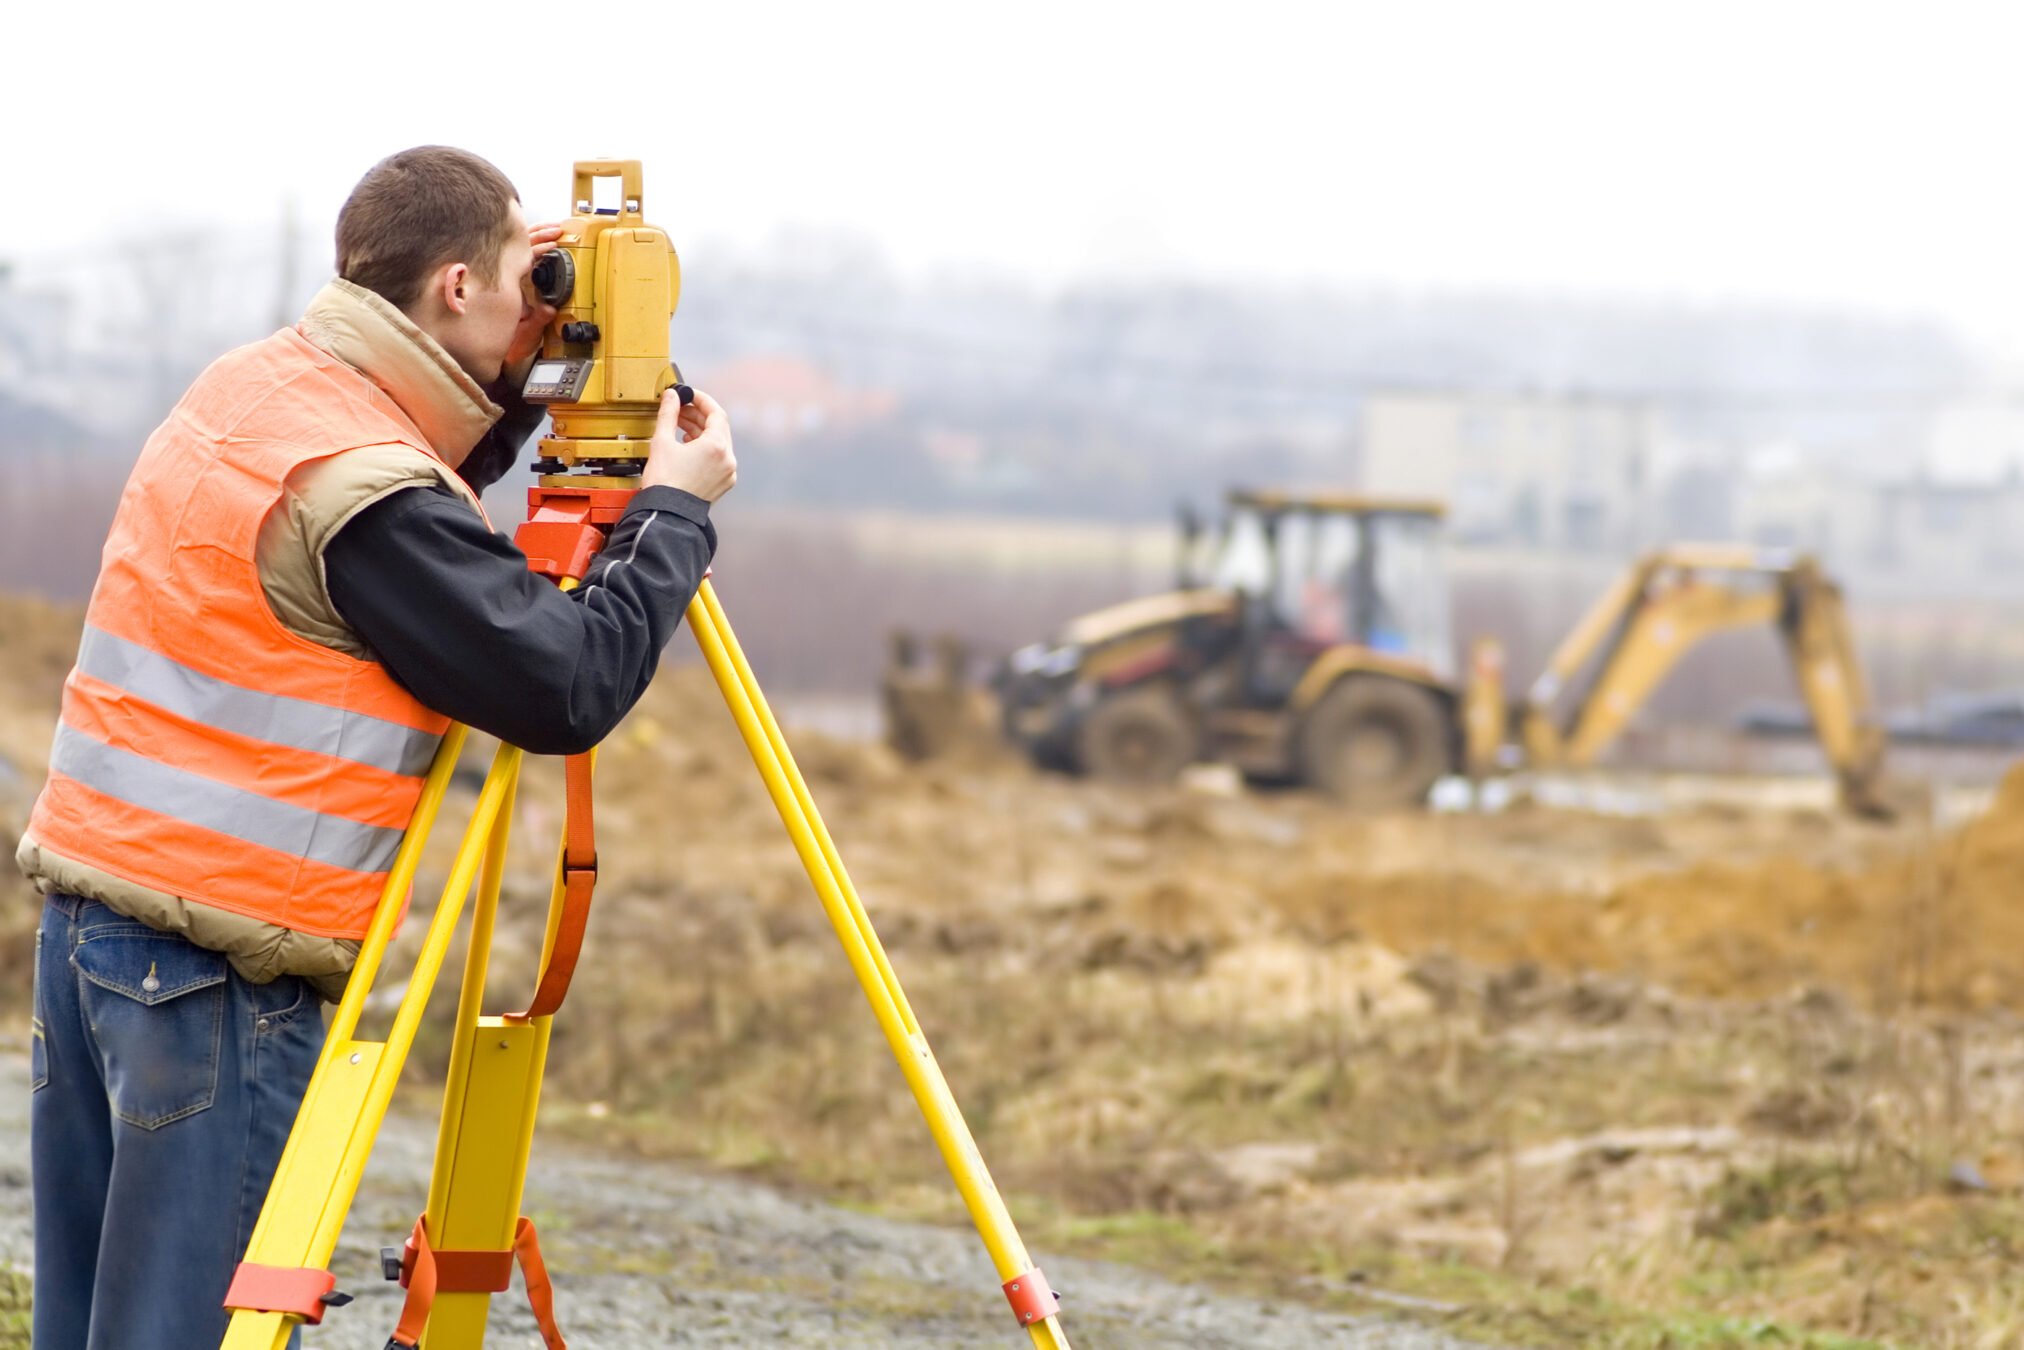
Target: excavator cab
1317	572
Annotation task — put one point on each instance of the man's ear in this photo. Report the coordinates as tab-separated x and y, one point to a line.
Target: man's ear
450	284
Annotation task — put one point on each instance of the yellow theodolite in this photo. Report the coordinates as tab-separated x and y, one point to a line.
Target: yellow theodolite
603	368
614	281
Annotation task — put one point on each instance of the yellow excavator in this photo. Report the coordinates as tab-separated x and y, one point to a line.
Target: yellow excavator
1310	641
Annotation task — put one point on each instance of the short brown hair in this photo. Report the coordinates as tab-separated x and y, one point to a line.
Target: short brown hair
419	209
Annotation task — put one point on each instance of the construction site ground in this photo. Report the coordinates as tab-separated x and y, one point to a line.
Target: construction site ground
655	1254
1737	1072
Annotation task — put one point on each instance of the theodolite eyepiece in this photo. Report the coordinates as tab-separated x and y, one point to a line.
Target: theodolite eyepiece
554	277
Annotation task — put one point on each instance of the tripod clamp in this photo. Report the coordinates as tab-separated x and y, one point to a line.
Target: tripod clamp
569	516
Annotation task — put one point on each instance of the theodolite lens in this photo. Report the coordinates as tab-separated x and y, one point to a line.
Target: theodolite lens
554	278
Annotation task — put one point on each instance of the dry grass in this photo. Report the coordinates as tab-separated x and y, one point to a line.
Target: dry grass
1665	1082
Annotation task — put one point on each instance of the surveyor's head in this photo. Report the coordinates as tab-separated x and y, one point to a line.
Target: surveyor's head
439	234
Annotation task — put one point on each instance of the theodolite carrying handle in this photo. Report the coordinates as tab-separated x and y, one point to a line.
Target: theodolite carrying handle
627	171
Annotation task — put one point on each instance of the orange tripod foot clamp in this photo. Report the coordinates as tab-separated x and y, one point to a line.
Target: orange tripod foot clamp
425	1272
1031	1298
298	1290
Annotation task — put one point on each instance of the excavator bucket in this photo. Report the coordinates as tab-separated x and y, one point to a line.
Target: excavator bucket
932	710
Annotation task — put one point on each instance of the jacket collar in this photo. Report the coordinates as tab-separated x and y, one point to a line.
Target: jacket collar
361	329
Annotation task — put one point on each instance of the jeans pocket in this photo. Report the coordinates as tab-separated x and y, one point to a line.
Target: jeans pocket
280	1001
156	1006
38	1047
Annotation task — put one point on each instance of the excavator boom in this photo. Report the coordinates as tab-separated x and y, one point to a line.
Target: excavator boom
1668	603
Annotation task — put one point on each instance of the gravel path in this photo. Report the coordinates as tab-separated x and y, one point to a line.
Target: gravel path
652	1254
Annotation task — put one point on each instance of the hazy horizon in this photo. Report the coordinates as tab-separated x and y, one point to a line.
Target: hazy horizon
1724	155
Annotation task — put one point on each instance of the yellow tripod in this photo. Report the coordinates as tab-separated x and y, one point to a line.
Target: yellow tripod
466	1242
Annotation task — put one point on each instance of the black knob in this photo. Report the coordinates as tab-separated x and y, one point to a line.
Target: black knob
579	332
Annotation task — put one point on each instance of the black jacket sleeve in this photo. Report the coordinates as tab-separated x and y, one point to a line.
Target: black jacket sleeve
452	611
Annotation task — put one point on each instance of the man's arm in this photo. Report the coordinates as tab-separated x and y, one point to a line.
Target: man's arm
455	615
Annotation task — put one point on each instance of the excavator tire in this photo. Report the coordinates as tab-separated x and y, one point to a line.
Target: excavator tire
1376	743
1141	737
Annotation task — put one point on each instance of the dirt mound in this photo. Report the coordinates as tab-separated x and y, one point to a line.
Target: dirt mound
38	642
1933	923
1751	906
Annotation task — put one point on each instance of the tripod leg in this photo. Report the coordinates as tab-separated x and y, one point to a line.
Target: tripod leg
486	1134
354	1081
1024	1286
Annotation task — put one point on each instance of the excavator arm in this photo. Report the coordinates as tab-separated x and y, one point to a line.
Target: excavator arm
1668	603
1817	634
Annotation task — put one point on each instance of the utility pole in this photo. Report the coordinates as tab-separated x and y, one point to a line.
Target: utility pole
291	233
169	270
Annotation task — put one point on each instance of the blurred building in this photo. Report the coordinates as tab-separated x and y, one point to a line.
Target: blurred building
1937	530
784	399
1975	440
1556	472
1783	499
1952	531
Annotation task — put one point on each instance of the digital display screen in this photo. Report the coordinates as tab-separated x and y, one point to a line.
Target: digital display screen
548	372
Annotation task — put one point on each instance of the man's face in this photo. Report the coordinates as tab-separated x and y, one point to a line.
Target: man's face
480	336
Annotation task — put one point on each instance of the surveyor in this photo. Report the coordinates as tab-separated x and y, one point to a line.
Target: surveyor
299	592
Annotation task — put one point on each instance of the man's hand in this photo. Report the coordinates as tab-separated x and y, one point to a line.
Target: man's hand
691	449
535	314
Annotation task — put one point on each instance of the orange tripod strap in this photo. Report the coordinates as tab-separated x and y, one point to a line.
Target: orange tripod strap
579	877
426	1272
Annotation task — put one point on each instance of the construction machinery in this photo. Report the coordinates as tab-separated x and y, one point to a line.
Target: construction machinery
1310	641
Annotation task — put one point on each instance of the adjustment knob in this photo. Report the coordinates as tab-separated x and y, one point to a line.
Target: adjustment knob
579	332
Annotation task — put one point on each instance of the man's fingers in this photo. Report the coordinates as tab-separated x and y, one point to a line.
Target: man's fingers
671	412
713	413
543	238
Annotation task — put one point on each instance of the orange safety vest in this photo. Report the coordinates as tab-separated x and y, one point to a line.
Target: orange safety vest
204	750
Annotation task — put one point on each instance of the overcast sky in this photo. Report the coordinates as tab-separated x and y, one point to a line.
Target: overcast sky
1852	155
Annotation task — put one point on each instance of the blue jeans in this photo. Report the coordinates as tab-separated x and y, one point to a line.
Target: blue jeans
163	1089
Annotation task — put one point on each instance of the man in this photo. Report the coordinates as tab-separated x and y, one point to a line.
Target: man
298	595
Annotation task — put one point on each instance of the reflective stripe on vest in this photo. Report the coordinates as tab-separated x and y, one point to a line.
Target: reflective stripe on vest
276	718
180	795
